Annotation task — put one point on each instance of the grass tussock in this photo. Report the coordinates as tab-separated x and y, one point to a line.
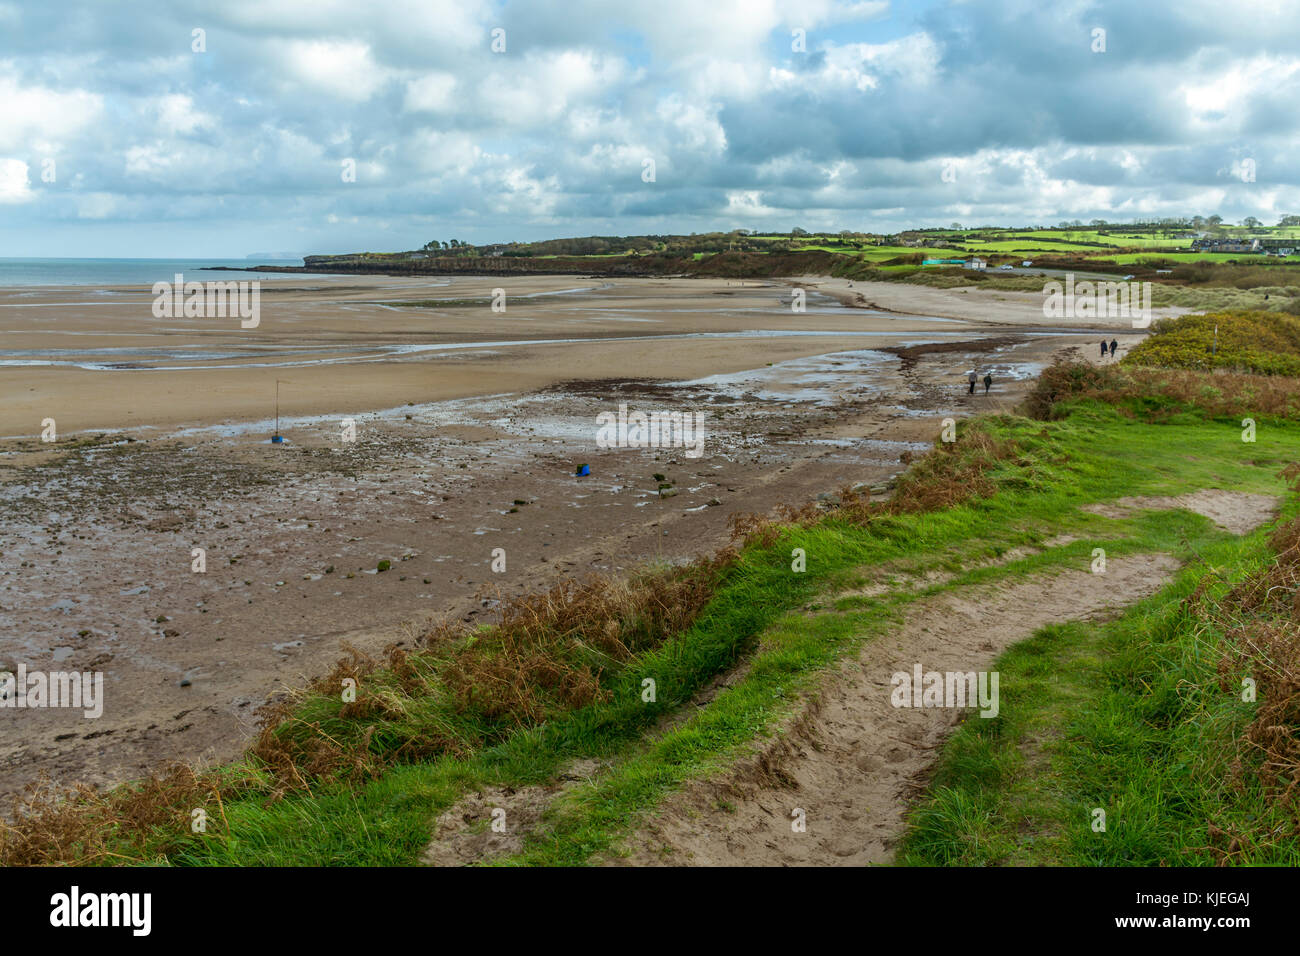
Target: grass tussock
81	825
464	687
552	650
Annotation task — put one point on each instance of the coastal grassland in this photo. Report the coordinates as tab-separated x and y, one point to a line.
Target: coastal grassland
360	781
792	658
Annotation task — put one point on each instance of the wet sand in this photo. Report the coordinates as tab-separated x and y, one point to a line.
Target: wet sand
469	425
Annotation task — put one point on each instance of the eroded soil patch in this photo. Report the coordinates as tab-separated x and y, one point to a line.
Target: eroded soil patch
1239	512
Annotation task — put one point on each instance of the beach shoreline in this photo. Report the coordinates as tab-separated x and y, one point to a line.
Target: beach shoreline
462	446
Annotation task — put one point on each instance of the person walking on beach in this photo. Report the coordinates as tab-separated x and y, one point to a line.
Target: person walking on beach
1103	350
973	380
1113	346
988	380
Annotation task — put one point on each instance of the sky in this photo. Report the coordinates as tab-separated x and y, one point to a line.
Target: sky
186	129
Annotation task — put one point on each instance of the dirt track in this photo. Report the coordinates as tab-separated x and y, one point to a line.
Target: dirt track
854	762
850	762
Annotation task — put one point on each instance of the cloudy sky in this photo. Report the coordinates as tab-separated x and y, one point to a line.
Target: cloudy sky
123	132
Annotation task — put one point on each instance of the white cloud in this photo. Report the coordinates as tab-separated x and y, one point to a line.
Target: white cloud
37	113
342	69
14	184
147	160
438	153
1219	98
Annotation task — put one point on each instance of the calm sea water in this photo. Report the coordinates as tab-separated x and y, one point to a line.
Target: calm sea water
144	272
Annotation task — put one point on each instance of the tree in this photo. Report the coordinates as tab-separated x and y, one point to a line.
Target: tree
1250	222
1289	221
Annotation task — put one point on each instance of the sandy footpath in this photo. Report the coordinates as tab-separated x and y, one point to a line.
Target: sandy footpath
850	768
469	425
991	306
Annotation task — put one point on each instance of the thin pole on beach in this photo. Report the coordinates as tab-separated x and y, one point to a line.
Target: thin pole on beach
276	436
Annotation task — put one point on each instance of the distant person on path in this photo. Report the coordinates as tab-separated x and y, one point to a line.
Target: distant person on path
1103	349
1113	346
988	380
973	380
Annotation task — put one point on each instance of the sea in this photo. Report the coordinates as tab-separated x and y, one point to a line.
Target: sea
142	272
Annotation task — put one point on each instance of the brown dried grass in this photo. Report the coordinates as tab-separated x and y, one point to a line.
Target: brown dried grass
1260	619
953	473
1155	394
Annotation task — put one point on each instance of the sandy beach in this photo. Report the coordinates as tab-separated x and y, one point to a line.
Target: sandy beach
469	425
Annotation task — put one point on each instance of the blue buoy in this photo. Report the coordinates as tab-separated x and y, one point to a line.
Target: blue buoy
277	439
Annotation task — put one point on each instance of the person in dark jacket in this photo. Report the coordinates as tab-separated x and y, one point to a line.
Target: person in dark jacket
1113	346
988	380
1103	348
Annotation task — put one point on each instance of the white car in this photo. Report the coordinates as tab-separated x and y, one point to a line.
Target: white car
1006	268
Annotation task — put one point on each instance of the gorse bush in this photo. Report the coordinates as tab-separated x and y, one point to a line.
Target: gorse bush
1266	343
